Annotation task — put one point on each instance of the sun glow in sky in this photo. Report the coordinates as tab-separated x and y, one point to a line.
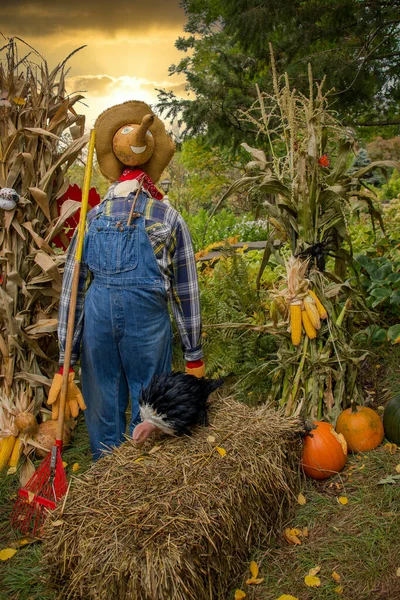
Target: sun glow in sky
129	46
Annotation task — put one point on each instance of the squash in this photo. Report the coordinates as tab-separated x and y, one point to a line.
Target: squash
361	427
46	437
324	452
391	420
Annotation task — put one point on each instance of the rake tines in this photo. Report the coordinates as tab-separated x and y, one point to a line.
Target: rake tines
42	492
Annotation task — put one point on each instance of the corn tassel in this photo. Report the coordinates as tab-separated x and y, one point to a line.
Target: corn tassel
312	311
295	322
16	453
6	450
308	326
320	307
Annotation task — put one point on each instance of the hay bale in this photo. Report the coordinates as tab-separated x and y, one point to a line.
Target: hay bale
176	520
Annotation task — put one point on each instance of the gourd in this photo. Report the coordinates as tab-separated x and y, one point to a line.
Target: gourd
324	452
361	427
391	420
46	437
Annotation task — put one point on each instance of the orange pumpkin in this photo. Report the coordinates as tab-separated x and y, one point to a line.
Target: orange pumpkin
361	427
324	453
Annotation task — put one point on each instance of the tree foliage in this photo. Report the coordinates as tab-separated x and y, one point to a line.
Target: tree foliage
354	42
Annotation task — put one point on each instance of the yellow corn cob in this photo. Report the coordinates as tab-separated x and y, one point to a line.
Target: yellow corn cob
16	453
312	311
308	326
320	307
295	322
6	450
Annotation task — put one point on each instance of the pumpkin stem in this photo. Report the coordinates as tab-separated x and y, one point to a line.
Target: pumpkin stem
353	406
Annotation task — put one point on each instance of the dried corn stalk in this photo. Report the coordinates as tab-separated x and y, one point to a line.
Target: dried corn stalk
35	112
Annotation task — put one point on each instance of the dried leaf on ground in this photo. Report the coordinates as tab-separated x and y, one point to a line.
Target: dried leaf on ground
239	595
287	597
290	537
389	479
255	581
397	468
335	576
221	451
312	572
343	500
398	572
391	448
76	467
312	581
339	589
301	499
7	553
254	568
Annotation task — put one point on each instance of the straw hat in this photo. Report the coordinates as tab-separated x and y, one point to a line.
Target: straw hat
131	112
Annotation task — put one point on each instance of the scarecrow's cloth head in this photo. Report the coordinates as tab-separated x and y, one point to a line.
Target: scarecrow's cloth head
129	134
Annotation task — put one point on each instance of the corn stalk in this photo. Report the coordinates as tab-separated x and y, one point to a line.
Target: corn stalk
35	112
301	171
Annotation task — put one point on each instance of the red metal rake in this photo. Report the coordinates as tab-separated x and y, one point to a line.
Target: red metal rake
49	482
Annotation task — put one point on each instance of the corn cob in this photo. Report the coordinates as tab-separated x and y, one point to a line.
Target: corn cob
295	322
312	311
321	308
6	450
16	453
308	326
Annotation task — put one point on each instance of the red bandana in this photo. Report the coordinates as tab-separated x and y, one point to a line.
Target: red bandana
148	185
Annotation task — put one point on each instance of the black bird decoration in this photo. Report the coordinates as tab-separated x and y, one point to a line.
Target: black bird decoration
174	402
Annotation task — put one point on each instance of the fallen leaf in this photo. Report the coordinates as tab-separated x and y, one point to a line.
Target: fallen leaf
391	448
154	449
239	595
398	572
359	457
7	553
314	571
19	101
254	568
254	581
23	542
287	597
342	500
138	459
305	532
31	496
389	479
335	576
339	589
57	523
221	451
312	581
397	469
211	439
76	467
301	499
362	467
290	537
11	470
65	465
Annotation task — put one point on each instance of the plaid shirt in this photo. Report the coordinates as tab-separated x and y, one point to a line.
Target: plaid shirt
173	249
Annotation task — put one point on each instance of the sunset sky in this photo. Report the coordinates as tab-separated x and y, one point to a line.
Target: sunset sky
130	45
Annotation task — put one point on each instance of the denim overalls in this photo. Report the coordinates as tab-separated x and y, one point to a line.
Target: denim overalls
127	328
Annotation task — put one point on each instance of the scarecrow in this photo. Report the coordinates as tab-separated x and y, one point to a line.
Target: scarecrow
137	256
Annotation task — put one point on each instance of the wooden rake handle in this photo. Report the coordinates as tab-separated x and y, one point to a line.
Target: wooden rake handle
74	289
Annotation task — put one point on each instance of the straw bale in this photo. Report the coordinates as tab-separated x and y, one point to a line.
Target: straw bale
176	520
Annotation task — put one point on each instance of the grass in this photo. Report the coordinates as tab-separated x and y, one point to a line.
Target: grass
359	540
